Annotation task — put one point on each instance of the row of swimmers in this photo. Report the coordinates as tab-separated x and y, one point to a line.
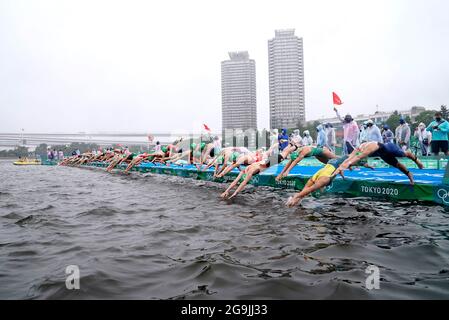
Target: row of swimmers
205	156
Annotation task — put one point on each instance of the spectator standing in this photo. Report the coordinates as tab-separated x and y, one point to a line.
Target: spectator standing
50	155
61	155
307	139
296	137
439	129
387	134
373	132
331	137
157	147
283	139
424	138
217	145
350	132
321	140
363	136
403	135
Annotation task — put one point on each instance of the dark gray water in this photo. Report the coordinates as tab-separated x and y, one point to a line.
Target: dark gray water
160	237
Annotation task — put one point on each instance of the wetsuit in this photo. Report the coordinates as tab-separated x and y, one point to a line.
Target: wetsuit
329	168
315	152
388	153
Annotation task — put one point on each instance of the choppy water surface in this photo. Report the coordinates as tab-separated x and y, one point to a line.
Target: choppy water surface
160	237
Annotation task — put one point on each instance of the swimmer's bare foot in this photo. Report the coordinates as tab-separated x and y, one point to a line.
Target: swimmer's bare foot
415	159
419	163
410	176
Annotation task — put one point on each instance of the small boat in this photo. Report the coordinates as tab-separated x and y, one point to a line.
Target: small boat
27	162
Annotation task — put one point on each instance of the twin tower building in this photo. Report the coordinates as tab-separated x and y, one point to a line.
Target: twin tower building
286	84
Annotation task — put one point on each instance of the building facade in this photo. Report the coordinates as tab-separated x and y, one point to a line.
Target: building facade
286	80
238	92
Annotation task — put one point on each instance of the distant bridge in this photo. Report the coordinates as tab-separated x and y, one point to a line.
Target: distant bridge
32	140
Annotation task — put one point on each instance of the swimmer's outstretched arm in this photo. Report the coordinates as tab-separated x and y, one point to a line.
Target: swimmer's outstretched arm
351	161
227	170
206	151
225	194
301	156
281	175
239	162
211	164
219	169
341	169
243	184
366	165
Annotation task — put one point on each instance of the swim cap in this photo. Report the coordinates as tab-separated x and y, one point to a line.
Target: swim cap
234	156
193	146
164	149
294	156
203	145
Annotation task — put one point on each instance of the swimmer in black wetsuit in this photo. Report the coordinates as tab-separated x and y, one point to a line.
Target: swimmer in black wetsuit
388	152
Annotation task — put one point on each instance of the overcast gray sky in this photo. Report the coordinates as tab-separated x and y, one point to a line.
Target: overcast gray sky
69	66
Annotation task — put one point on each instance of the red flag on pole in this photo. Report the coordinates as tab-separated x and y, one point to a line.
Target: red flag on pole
337	100
206	128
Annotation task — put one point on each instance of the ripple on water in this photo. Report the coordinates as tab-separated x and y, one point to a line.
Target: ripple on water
157	237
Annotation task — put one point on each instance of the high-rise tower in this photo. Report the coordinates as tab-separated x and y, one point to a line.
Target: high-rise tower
238	92
286	77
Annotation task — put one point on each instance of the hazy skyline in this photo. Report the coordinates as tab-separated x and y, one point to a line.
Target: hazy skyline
70	66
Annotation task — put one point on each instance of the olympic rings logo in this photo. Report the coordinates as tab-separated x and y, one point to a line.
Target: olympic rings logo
443	195
255	179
